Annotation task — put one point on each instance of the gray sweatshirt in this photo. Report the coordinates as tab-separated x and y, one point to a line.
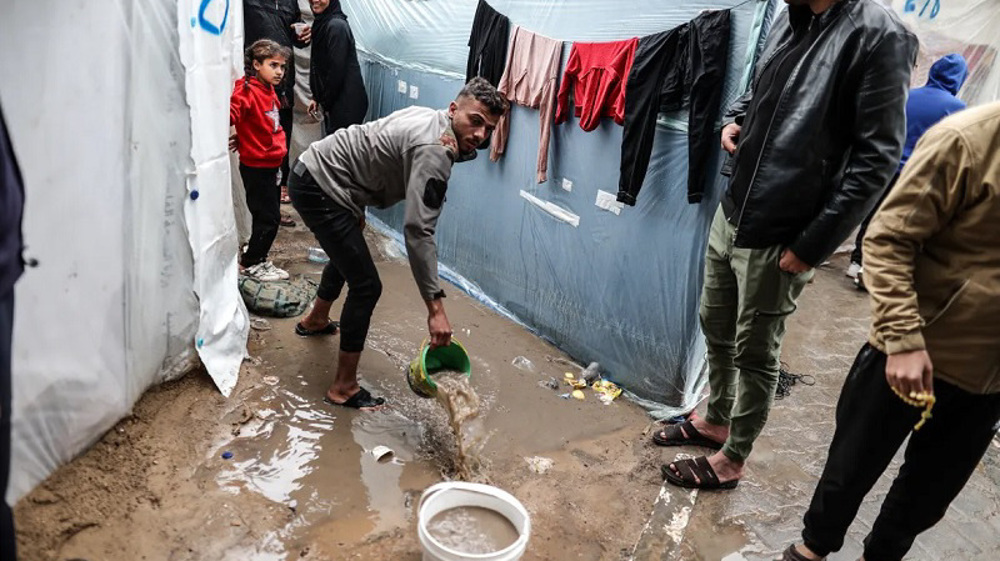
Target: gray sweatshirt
406	156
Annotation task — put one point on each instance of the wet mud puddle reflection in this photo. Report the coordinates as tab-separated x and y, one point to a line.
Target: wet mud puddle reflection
318	462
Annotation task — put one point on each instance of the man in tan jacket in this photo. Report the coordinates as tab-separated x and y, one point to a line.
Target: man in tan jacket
932	259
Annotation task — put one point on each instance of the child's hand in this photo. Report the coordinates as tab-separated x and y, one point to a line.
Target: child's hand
232	142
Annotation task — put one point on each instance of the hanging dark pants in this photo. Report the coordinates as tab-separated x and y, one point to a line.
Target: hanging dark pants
488	44
686	65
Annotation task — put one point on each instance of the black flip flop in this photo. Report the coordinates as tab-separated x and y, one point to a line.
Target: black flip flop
792	554
360	400
330	329
674	436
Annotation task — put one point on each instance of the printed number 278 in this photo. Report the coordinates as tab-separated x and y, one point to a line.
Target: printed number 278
934	5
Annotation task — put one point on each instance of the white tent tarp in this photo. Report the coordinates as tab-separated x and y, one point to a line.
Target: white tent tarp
118	119
968	27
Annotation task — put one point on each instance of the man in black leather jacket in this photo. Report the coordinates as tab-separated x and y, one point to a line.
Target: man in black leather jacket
815	141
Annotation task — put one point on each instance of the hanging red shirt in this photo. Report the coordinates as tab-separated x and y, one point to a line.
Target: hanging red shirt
600	71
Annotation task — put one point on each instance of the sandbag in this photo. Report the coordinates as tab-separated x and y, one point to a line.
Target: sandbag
278	299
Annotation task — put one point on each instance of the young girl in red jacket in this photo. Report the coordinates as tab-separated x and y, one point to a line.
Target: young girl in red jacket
260	141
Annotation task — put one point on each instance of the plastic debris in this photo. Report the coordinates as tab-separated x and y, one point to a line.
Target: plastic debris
317	255
578	394
227	455
551	383
563	361
591	373
574	382
522	363
270	380
539	465
607	391
382	453
259	324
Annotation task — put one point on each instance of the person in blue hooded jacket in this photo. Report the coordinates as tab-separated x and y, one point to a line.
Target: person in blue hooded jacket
924	108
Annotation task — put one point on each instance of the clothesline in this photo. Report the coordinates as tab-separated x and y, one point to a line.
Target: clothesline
733	7
743	3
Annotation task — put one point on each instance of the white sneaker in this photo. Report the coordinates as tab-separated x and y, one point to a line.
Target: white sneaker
261	272
282	274
853	270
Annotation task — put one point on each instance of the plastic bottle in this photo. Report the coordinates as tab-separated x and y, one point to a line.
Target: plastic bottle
317	255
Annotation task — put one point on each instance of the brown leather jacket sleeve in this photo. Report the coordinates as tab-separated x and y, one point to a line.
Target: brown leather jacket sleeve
924	200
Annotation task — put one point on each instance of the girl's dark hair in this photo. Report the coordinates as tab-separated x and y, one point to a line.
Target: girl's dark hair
261	50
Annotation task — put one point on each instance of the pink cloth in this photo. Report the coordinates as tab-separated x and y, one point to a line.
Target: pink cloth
530	80
600	71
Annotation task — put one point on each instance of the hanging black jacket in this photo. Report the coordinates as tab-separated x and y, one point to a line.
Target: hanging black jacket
684	65
835	136
335	73
273	19
11	209
488	44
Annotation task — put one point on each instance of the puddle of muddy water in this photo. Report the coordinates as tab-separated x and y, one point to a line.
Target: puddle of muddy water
317	461
473	530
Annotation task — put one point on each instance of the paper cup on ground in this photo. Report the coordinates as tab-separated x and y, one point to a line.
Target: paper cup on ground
382	453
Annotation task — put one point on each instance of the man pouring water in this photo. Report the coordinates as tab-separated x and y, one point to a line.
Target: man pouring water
404	157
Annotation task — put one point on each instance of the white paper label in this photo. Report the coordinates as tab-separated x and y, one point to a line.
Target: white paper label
414	92
401	86
608	201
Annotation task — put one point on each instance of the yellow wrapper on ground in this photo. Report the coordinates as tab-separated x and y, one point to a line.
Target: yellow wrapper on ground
607	388
578	394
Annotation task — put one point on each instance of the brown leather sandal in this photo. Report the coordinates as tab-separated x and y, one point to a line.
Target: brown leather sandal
672	435
695	474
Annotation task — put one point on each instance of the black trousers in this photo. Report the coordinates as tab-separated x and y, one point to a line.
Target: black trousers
872	423
264	203
857	255
285	118
339	233
488	44
685	65
7	540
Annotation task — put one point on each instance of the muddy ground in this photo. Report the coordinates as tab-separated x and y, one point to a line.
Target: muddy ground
300	484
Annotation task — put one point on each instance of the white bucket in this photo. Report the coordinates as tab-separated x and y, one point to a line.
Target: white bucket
443	496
